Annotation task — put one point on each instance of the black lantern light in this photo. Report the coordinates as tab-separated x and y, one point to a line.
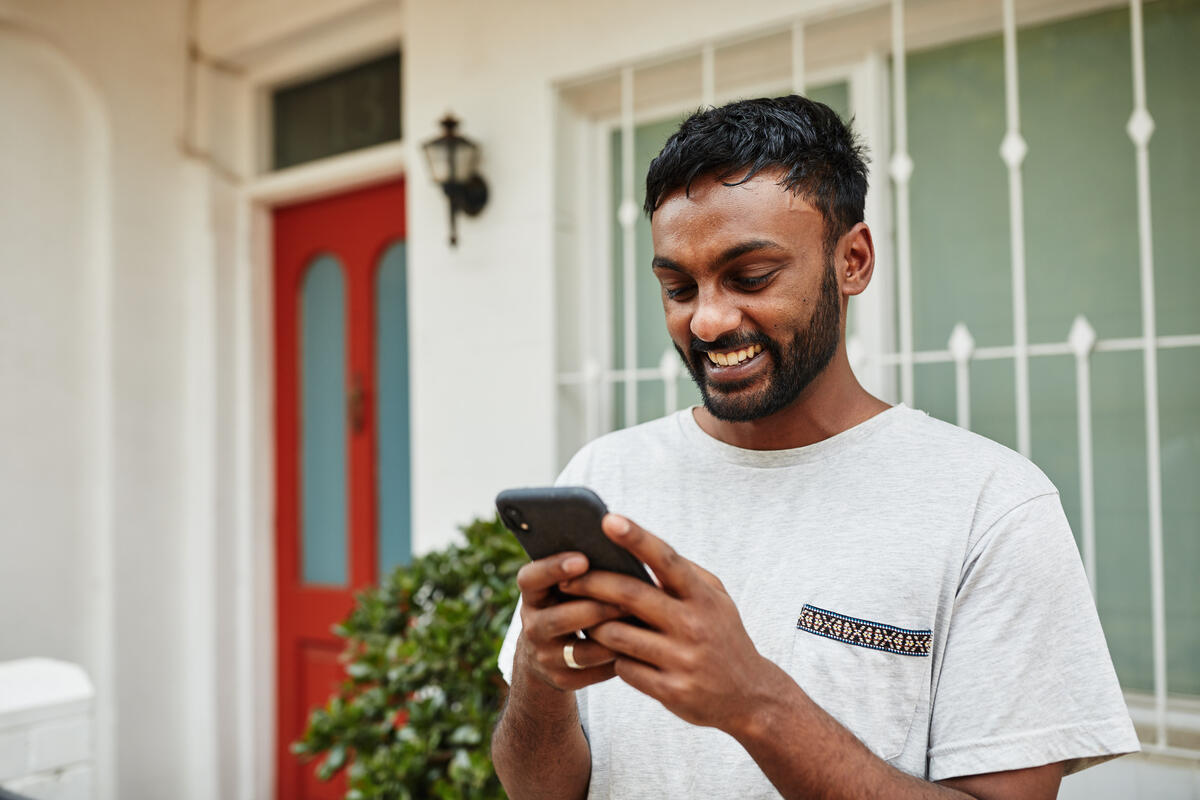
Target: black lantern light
453	162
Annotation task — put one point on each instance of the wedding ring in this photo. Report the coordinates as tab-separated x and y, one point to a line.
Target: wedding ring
569	656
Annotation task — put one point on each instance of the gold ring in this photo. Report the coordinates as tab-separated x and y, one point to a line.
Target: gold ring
569	656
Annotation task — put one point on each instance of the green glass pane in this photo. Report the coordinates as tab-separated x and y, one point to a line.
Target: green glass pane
1179	406
959	195
1122	542
323	518
1172	62
1080	188
391	348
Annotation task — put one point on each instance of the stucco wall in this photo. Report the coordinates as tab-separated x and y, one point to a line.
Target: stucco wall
94	410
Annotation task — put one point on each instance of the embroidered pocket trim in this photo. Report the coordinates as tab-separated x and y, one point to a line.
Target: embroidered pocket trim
864	633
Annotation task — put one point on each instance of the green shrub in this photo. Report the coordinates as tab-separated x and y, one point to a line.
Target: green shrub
414	717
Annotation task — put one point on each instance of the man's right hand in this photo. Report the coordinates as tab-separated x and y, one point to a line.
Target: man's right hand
549	623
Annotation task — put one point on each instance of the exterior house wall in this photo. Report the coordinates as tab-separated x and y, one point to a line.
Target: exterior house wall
100	462
135	483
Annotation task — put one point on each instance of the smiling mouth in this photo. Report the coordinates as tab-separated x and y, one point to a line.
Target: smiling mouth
732	358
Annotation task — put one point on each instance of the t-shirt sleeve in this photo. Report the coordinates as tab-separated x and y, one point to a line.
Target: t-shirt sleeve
1026	679
508	650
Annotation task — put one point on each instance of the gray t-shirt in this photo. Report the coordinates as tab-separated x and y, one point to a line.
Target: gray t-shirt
919	582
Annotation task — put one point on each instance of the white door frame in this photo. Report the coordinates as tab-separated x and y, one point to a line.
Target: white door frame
245	108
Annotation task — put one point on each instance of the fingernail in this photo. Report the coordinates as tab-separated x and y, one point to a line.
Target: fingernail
574	564
622	526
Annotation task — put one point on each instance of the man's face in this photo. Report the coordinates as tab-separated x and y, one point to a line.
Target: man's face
751	297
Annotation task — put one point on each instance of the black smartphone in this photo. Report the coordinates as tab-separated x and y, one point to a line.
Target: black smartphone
555	519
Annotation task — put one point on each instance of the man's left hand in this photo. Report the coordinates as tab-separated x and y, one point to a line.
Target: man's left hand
697	659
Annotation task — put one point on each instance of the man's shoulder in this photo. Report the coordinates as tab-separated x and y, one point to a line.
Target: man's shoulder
651	438
943	449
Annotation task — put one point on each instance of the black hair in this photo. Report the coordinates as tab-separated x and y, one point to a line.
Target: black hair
822	159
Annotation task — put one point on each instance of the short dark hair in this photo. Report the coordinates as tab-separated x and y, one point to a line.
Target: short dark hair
823	159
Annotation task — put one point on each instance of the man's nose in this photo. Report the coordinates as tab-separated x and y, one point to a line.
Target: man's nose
715	316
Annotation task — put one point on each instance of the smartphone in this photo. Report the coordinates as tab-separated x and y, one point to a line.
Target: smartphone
558	518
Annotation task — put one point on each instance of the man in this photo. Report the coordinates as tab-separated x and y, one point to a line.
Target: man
857	600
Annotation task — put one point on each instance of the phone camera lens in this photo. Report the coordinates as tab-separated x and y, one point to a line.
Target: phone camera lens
516	517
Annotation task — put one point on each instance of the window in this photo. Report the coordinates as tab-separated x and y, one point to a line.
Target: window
346	110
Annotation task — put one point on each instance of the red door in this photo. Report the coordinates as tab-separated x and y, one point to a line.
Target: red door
341	372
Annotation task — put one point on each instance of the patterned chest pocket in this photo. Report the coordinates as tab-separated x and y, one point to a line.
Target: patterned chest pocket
868	675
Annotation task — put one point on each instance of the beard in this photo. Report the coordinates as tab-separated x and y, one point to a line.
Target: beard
796	362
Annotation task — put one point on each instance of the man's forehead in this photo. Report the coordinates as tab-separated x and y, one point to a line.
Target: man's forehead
761	203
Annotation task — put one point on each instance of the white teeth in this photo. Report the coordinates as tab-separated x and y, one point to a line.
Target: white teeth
735	356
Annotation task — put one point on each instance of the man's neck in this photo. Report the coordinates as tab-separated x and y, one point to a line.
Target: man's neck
832	403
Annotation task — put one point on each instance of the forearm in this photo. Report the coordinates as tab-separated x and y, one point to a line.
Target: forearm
807	754
538	747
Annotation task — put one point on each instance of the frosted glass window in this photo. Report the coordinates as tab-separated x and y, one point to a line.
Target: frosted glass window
323	519
391	348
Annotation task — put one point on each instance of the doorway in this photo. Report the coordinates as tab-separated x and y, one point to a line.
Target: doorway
343	494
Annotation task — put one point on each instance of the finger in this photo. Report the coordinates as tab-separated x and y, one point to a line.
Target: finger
573	679
632	596
537	578
546	661
627	640
564	618
709	578
643	677
674	572
589	653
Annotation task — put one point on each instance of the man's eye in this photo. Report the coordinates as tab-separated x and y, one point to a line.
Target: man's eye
752	282
676	293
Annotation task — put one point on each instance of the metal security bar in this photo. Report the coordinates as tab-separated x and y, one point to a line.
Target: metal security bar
1140	129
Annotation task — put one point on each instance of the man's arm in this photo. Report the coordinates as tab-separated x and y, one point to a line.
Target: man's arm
806	753
698	661
538	747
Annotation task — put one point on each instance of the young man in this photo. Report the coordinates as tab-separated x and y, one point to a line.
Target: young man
857	600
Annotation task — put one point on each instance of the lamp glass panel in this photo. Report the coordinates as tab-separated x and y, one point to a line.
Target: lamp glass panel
438	156
466	156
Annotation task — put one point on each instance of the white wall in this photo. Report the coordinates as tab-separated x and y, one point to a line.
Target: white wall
96	403
45	215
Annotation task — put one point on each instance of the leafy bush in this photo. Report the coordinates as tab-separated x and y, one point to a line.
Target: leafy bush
414	717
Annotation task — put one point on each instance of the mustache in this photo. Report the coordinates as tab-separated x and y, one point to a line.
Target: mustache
730	342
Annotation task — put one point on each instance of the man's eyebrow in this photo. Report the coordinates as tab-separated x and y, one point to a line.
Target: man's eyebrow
739	249
742	248
662	262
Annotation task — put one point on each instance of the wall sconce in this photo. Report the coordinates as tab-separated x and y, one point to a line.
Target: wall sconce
453	161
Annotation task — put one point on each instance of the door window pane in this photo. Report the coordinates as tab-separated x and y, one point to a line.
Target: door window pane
391	347
323	518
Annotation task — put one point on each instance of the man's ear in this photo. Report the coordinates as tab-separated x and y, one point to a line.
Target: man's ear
857	261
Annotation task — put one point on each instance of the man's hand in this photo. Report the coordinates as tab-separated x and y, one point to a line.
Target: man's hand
698	660
549	623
